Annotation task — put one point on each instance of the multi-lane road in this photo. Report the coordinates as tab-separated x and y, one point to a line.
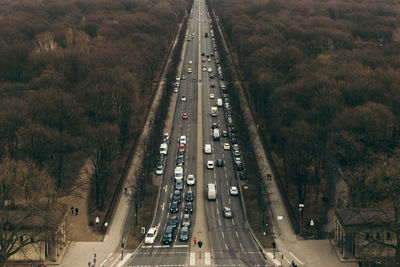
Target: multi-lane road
230	241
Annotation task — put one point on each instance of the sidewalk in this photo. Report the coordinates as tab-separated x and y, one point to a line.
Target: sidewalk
303	252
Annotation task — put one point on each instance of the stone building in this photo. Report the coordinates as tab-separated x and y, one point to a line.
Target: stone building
364	234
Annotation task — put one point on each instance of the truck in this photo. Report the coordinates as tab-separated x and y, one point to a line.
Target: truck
219	102
211	192
216	134
214	111
178	173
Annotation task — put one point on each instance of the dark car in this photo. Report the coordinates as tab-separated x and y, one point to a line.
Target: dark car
225	133
239	165
220	163
233	130
212	85
242	176
189	207
177	196
184	235
202	54
179	185
168	235
173	221
214	125
174	207
234	141
189	196
180	161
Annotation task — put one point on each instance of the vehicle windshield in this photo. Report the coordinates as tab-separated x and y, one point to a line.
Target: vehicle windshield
149	235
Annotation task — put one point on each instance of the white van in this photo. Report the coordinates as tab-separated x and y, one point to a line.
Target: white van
216	134
219	102
211	192
164	149
207	149
214	111
178	173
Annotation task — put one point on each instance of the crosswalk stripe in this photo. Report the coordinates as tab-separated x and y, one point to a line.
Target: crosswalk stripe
192	258
207	258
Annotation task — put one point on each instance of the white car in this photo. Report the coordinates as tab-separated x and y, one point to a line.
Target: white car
207	149
151	236
183	98
182	140
227	146
212	96
190	62
204	69
233	190
209	59
210	164
191	180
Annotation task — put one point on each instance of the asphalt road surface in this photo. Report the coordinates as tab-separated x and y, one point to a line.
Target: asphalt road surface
231	243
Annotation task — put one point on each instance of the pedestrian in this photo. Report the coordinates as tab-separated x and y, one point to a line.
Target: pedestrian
194	241
76	211
126	190
72	209
359	264
292	263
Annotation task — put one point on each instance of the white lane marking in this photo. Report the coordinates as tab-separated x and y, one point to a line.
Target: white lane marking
126	258
295	257
233	222
109	255
112	264
219	222
162	206
226	175
166	188
227	183
217	211
223	236
207	258
229	200
226	246
192	260
237	235
241	246
180	246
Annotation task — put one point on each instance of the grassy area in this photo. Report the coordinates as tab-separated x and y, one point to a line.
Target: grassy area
144	216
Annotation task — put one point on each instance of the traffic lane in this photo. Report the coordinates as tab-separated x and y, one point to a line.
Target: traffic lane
159	257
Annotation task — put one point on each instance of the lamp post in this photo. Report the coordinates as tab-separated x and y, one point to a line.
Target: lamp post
301	207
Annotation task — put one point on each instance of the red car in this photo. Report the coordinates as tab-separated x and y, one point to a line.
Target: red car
182	148
203	60
185	116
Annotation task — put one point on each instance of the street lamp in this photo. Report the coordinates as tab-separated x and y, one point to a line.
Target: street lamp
301	207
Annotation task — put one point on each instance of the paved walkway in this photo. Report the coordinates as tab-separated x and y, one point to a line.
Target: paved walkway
303	252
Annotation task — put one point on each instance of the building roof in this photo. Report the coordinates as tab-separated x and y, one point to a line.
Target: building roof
359	216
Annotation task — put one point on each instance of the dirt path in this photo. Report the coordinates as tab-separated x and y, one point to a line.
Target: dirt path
78	228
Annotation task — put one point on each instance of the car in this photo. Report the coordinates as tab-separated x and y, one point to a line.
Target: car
210	165
190	62
183	77
185	116
207	55
220	163
184	234
239	165
168	236
159	168
190	180
179	185
189	70
188	208
180	161
211	76
204	69
214	125
234	140
189	196
202	54
242	176
212	96
233	190
182	139
207	149
181	153
227	212
227	146
212	85
174	207
203	60
235	147
165	137
183	98
151	236
225	133
182	147
233	130
177	196
186	220
209	59
173	221
194	79
236	153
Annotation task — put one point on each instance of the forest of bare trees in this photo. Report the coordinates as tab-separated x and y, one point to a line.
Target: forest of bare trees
324	79
76	80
